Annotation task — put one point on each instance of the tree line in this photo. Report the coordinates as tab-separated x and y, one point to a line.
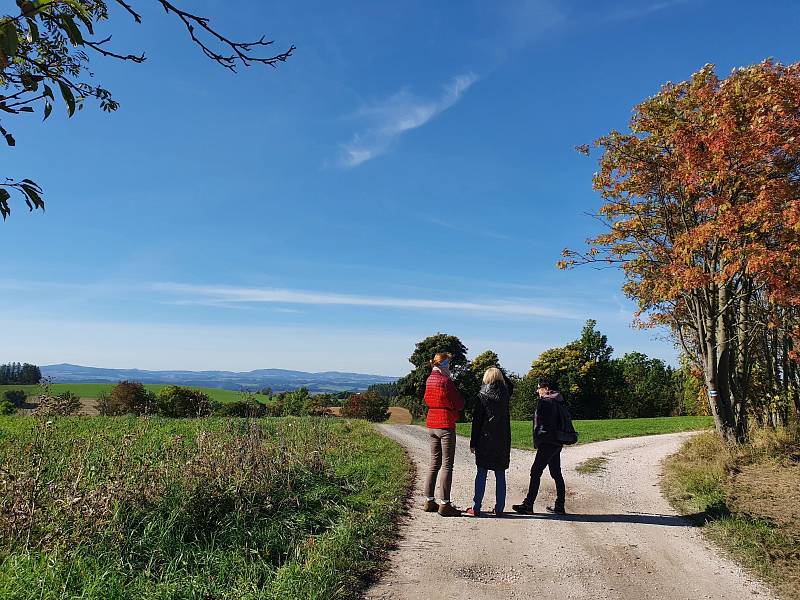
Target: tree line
595	384
15	373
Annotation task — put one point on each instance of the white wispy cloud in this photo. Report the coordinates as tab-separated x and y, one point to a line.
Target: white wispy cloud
642	10
472	231
220	294
394	116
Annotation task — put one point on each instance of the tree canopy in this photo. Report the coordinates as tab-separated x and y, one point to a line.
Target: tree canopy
702	206
48	46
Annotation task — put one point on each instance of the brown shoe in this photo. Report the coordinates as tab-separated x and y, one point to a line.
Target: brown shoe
430	506
448	510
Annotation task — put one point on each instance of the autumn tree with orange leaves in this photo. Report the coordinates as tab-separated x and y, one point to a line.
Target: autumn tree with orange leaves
702	208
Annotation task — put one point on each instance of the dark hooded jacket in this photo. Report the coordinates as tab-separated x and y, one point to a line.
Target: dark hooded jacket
491	427
547	420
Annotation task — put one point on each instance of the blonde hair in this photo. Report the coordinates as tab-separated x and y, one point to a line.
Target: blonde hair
493	374
439	357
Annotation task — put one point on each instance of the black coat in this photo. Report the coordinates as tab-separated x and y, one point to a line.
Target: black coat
491	427
546	421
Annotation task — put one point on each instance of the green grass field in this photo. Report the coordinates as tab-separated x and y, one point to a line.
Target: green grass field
605	429
92	390
146	508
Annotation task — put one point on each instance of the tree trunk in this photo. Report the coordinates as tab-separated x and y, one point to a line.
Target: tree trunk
715	363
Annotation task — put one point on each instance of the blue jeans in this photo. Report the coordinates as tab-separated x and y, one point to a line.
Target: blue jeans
500	489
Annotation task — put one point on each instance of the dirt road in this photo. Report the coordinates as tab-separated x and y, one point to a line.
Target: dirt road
622	541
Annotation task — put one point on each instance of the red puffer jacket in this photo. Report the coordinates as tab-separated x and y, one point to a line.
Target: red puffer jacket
443	400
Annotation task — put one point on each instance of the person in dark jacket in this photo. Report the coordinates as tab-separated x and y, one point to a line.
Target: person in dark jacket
548	450
491	439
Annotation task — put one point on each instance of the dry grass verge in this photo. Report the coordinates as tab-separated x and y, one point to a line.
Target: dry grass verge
747	499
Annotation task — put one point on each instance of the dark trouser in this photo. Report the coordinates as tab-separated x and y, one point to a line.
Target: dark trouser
547	455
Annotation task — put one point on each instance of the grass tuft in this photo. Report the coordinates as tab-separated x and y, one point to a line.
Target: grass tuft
592	466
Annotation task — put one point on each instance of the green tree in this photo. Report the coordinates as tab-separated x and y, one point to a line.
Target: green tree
690	390
646	389
295	403
47	48
471	380
581	371
524	397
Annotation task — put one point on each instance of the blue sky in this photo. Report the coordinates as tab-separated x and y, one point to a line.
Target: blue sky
410	170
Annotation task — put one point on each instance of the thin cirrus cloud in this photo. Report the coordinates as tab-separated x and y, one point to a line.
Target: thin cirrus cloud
216	295
394	116
642	10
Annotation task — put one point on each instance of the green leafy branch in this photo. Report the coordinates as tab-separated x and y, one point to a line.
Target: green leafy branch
45	51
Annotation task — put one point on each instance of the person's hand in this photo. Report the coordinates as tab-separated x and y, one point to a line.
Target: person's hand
472	450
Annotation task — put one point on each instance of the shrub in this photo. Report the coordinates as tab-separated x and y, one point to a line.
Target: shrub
15	397
178	401
127	397
315	406
369	406
6	407
249	408
294	402
63	405
275	408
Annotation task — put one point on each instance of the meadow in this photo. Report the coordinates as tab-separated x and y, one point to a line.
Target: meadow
605	429
126	507
93	390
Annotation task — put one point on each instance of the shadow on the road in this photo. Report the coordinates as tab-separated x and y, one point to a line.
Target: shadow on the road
637	518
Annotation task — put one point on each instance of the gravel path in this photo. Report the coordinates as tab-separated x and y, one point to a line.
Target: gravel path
622	541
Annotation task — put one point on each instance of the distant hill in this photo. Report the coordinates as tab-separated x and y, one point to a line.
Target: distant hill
277	379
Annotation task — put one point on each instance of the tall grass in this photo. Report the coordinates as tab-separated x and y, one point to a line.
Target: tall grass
215	508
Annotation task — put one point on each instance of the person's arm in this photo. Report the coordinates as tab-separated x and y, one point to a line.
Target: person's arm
456	400
477	424
537	420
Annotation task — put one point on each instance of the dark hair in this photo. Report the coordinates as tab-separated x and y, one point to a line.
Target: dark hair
545	382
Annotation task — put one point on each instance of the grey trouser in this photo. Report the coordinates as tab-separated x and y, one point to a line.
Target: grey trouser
443	442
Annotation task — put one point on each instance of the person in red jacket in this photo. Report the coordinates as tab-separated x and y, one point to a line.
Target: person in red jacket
444	403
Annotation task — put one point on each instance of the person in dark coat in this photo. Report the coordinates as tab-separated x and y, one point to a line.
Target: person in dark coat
548	450
491	439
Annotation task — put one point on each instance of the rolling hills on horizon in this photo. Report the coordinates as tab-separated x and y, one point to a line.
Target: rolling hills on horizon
277	379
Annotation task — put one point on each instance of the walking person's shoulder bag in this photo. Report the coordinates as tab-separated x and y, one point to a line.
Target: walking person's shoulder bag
565	432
